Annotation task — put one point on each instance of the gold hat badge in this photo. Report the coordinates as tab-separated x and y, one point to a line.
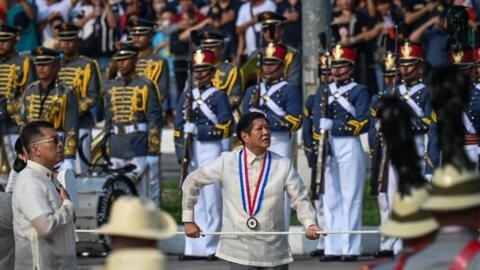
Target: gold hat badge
337	52
457	57
389	61
406	49
198	57
270	50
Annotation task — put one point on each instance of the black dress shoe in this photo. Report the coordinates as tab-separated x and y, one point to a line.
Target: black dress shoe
330	258
317	253
349	258
383	254
190	258
211	257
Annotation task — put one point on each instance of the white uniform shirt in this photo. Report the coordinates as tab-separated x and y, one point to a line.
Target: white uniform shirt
260	250
245	14
42	223
7	242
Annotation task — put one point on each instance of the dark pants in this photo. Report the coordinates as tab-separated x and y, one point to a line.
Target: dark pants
235	266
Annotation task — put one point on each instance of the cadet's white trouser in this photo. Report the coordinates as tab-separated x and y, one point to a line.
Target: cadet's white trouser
344	185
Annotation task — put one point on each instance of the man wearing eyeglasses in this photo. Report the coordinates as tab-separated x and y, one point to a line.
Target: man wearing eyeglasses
43	221
50	100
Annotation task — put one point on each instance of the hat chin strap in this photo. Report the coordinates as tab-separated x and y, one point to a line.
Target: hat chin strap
344	76
268	80
410	73
202	81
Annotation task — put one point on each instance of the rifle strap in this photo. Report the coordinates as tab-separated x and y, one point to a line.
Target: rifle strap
407	94
336	94
468	124
266	97
199	101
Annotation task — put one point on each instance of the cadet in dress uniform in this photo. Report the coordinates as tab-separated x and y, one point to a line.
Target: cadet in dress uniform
51	100
149	64
309	144
413	91
454	199
153	67
133	115
272	31
280	100
385	184
16	72
228	77
464	60
348	116
417	228
81	75
211	121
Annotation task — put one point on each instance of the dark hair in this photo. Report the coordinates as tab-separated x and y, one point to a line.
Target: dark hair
32	131
449	92
18	146
246	121
19	164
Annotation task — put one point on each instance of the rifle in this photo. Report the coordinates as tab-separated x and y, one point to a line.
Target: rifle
187	113
380	158
256	93
317	184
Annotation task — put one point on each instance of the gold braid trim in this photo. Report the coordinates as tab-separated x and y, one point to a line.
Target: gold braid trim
229	82
61	120
306	112
153	140
225	128
70	143
295	121
153	70
434	116
373	111
427	120
316	136
177	133
288	62
26	67
12	76
357	126
86	80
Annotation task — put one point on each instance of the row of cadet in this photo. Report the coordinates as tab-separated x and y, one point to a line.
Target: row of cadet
342	108
133	112
81	74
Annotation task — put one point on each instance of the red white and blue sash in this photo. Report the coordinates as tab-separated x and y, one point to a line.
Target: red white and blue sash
250	206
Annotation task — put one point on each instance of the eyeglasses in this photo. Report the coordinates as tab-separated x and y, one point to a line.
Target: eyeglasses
55	139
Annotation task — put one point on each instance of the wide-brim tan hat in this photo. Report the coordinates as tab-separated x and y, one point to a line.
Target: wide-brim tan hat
407	220
138	218
134	259
453	189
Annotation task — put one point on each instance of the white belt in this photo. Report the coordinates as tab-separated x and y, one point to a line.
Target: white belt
126	129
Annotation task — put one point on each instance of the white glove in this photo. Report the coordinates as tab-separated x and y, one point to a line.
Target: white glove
189	127
326	123
428	177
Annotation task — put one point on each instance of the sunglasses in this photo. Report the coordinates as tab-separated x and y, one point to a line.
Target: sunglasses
55	139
